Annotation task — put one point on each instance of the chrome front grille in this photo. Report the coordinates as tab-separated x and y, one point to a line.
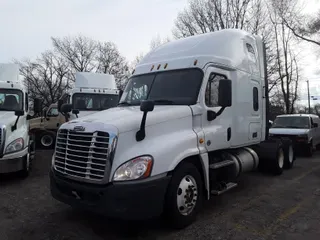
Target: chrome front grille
82	154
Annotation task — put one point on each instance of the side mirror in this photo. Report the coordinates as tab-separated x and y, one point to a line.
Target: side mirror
75	111
315	125
60	102
225	93
29	117
44	113
19	113
66	108
37	105
120	94
211	115
146	106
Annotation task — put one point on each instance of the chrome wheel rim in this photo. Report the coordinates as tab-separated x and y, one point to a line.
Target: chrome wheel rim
187	195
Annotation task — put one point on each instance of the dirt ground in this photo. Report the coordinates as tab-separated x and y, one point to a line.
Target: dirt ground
261	207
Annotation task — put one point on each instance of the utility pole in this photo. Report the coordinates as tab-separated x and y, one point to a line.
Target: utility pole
308	96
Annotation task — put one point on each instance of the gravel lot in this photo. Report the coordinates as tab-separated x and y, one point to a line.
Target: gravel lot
262	207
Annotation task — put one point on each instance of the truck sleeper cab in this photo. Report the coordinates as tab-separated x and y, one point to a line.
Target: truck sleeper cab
192	118
302	129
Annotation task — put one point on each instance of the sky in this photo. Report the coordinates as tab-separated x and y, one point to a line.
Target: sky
27	25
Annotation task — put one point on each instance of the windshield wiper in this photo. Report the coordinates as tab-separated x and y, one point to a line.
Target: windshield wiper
6	109
164	101
124	104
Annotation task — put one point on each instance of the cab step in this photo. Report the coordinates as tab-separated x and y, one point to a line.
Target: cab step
221	164
228	187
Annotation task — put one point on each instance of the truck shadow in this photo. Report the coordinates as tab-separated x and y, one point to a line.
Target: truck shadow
9	178
156	228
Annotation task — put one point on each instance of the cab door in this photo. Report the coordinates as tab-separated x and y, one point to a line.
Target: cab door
52	119
218	132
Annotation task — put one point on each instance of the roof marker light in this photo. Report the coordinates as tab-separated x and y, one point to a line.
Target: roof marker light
158	66
152	68
195	62
165	66
133	71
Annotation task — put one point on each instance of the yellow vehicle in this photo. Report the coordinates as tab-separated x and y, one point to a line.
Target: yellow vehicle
45	127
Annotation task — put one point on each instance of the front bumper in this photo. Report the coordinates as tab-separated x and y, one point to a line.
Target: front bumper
137	200
13	162
296	140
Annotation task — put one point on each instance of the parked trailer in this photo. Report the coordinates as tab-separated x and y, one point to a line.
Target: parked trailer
192	119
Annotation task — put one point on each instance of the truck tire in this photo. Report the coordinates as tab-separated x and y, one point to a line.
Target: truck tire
46	140
184	196
309	150
289	153
272	156
28	160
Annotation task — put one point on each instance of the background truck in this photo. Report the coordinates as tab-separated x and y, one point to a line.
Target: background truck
92	92
302	129
45	127
17	148
192	118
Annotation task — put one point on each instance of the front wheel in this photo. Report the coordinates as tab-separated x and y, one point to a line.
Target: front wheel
184	196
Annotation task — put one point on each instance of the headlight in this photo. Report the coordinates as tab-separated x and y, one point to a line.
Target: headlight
15	146
137	168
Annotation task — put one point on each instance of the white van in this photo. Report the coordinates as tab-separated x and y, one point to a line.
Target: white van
303	129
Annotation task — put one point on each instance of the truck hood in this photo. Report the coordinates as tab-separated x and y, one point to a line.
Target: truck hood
129	118
7	118
288	131
82	114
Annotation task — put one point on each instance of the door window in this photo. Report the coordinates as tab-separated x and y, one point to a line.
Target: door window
211	95
53	112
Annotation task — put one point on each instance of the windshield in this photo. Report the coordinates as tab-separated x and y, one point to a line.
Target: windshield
11	100
291	122
94	102
171	87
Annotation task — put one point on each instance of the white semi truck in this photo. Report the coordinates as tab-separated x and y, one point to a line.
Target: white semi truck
91	93
192	118
17	148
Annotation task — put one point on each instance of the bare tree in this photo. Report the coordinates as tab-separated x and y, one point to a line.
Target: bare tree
46	77
157	41
286	61
204	16
109	60
84	54
78	51
304	27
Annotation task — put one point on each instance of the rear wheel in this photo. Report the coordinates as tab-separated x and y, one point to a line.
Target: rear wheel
272	156
309	150
184	196
289	153
46	140
289	157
